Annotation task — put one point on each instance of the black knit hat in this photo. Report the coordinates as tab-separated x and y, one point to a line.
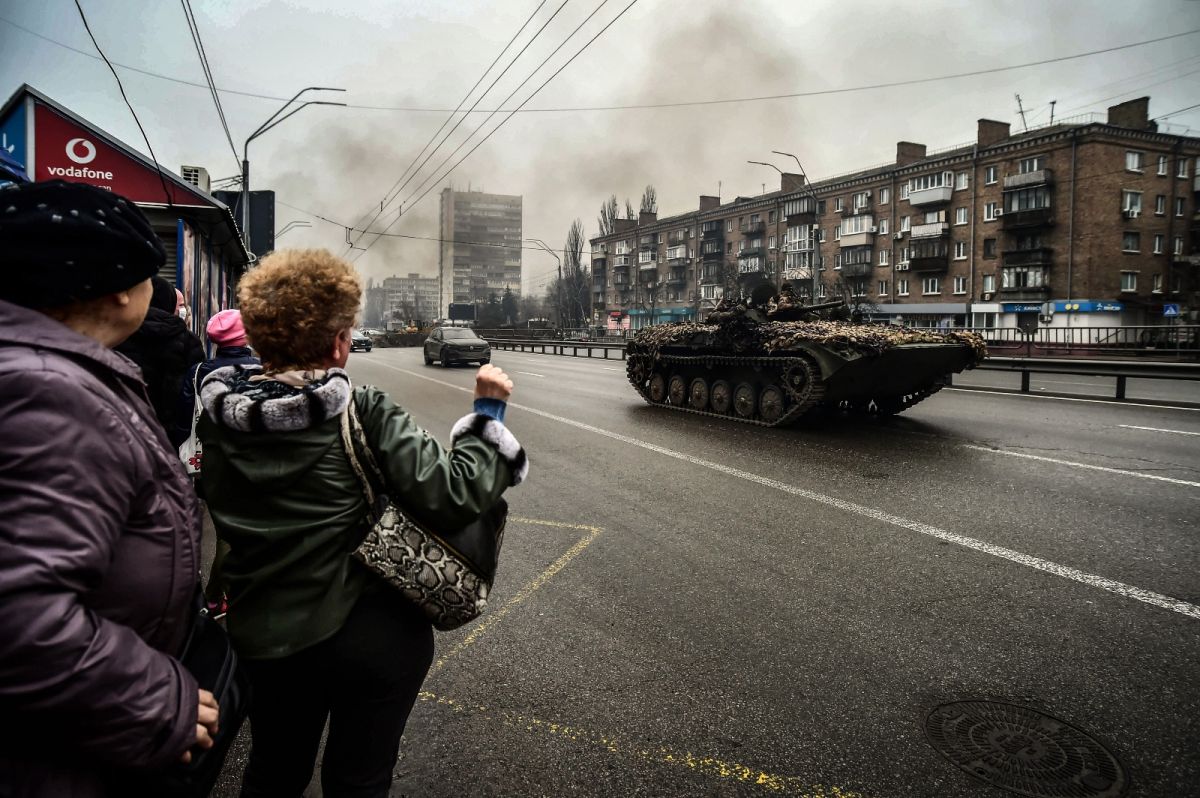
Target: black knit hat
63	242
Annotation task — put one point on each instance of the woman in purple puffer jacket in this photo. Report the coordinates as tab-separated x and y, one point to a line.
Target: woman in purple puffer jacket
99	526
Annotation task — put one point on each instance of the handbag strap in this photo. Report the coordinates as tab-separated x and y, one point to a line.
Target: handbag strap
348	443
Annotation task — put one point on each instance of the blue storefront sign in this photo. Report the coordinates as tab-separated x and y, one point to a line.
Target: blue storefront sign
12	135
1021	307
1088	306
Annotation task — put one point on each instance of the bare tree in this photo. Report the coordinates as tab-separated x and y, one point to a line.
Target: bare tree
574	293
649	200
629	212
855	292
609	213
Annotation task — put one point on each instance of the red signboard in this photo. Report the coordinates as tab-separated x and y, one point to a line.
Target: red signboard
64	150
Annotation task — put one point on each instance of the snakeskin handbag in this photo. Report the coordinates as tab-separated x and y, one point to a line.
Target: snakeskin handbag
447	574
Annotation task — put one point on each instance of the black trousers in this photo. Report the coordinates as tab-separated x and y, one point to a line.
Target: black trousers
364	680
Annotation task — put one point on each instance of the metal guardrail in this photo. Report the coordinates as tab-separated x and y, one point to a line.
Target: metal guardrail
1121	370
554	347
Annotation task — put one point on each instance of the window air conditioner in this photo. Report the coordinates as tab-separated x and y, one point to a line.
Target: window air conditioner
999	213
899	234
1131	214
874	229
986	296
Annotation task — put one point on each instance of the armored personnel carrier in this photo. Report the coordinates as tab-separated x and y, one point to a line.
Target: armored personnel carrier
771	361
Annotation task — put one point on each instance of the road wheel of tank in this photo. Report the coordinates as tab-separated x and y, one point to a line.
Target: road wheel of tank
698	394
658	387
677	390
745	400
720	397
770	404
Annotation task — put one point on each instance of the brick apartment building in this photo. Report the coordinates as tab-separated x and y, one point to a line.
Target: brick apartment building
1080	223
415	297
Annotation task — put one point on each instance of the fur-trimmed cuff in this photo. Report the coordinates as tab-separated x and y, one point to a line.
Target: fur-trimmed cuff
493	432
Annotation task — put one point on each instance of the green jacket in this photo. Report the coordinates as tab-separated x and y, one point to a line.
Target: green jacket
283	496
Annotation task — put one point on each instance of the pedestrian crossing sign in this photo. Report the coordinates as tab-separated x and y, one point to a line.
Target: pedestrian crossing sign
1171	310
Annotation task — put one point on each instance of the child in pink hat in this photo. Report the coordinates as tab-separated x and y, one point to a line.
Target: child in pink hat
225	330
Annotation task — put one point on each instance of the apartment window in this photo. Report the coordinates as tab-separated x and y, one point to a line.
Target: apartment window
1158	244
1027	199
1128	281
1131	242
904	224
837	204
885	196
903	264
771	217
884	254
837	261
1160	205
1133	161
1181	168
989	175
960	250
1179	207
960	285
960	180
883	227
1162	164
1178	248
837	233
961	215
1034	164
989	211
820	234
1156	283
820	290
728	247
883	287
771	242
931	285
1176	283
862	199
755	218
729	225
989	283
904	191
902	288
1131	201
989	247
1023	277
820	206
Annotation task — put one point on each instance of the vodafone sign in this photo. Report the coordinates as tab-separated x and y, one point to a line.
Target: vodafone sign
65	150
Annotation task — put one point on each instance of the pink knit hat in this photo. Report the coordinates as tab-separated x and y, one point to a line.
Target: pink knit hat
225	329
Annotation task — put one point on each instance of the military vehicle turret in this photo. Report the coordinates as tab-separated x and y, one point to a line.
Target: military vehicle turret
769	360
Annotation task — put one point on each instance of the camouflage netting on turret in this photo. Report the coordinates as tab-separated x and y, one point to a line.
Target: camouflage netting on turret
742	335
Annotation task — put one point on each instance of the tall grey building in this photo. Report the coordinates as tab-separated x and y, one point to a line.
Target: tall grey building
481	246
415	296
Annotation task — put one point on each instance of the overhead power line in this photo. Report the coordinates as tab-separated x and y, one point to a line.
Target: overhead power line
793	95
128	105
194	28
394	191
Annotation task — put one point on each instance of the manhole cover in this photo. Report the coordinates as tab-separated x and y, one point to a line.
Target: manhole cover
1024	751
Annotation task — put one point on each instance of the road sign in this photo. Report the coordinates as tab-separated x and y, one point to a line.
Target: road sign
1170	310
12	135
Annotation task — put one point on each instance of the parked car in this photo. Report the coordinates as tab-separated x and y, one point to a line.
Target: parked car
456	345
360	341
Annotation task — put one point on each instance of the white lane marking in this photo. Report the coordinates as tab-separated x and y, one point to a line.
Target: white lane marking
610	368
1087	466
1159	429
1066	572
1017	395
531	374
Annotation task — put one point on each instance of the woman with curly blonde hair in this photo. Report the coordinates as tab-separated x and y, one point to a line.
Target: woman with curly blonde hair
323	638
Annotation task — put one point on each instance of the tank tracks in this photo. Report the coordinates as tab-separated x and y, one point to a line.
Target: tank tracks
781	390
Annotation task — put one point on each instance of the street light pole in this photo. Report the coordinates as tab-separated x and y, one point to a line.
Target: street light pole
271	122
287	228
558	288
779	272
812	270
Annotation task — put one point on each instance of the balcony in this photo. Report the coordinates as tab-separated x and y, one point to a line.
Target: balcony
599	261
933	230
621	262
751	248
713	229
1028	257
677	253
710	276
864	239
858	209
856	270
598	301
711	255
677	276
648	266
676	238
1038	293
1042	177
800	211
750	266
648	241
930	196
1030	217
752	227
929	256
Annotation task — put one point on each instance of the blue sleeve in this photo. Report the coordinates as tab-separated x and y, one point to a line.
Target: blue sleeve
492	408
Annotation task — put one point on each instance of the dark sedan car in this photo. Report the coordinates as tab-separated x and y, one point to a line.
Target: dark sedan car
360	342
456	345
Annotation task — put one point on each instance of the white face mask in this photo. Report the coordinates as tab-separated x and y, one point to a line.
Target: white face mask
183	313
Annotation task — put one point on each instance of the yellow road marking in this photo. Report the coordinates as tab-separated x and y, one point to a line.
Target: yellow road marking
705	765
491	619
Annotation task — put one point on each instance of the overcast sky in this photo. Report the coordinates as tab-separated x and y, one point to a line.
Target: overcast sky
341	162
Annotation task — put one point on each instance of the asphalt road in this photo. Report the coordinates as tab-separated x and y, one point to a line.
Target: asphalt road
696	607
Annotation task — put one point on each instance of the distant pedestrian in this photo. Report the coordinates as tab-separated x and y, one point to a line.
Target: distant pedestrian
322	636
99	526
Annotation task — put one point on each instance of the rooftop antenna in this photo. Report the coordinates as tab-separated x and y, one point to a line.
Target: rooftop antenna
718	192
1052	102
1021	111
